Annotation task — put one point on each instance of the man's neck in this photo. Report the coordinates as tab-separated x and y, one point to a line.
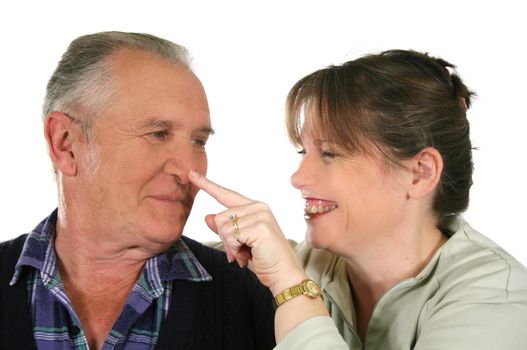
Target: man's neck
84	255
98	277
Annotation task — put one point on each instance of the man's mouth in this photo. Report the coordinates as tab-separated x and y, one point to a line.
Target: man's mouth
317	207
173	197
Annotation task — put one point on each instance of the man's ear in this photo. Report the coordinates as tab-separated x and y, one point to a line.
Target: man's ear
426	167
60	132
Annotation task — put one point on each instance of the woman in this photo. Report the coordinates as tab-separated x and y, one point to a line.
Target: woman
386	171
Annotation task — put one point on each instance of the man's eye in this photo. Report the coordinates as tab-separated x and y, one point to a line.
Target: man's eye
160	134
199	142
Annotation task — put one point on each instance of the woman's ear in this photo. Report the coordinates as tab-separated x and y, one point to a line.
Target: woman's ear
426	167
59	130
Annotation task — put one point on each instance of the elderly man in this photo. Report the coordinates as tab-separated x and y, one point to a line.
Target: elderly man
125	120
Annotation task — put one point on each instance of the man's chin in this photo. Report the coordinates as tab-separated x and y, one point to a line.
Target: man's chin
157	242
165	227
168	234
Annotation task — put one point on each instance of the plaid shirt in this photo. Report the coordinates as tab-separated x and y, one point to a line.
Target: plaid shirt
55	324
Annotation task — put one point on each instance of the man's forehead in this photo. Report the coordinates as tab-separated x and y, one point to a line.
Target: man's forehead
137	70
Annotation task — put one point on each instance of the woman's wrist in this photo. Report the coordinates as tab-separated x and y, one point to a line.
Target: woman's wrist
287	280
295	311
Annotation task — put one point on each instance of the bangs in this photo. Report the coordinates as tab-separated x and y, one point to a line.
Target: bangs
327	103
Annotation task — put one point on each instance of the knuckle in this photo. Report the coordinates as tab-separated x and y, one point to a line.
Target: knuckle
261	216
261	206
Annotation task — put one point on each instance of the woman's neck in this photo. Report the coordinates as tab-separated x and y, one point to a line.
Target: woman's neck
396	257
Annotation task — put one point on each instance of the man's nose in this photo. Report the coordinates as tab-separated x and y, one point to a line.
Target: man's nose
180	161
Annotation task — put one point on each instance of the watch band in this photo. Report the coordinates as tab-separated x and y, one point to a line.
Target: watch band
307	287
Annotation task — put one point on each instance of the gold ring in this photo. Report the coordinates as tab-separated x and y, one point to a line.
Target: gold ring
234	222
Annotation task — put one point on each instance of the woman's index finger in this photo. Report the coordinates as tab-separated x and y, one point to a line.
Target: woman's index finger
224	196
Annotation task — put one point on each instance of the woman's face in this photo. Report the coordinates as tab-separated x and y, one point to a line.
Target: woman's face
353	202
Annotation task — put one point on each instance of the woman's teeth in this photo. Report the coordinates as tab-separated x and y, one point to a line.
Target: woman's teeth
319	208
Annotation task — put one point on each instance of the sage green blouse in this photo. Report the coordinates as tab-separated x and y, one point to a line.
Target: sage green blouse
472	295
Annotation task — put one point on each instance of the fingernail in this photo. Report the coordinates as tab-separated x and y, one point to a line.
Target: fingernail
194	174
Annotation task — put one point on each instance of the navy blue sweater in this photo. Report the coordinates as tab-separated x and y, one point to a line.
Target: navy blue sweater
233	311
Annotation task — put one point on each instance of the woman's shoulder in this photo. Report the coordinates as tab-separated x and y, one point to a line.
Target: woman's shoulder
475	291
469	260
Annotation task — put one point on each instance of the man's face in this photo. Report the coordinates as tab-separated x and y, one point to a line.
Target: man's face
147	141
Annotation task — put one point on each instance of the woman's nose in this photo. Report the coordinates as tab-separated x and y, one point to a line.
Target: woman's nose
304	175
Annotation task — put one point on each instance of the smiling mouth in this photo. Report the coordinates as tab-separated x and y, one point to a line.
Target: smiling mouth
317	207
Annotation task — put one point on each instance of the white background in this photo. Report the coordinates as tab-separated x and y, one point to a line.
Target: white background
248	54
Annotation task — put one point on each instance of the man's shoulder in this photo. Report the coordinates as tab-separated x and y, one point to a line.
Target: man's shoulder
12	243
222	272
12	248
204	253
233	303
9	255
212	259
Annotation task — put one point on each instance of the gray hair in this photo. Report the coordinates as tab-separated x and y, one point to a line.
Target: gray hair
82	83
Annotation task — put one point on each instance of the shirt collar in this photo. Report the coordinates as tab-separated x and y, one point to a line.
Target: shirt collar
177	263
38	251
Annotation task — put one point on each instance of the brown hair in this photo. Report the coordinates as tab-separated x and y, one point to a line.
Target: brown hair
400	102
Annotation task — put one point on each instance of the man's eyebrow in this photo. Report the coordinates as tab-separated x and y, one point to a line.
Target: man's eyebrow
169	124
208	130
158	123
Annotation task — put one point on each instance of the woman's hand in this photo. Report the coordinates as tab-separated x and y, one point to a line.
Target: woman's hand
262	247
260	244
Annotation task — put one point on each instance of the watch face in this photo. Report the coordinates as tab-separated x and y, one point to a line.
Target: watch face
313	290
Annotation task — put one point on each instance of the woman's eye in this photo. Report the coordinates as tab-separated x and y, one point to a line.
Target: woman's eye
301	151
328	154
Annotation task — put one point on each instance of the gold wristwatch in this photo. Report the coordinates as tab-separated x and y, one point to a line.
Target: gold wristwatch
307	287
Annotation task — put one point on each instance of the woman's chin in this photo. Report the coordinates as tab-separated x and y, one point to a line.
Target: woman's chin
314	240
